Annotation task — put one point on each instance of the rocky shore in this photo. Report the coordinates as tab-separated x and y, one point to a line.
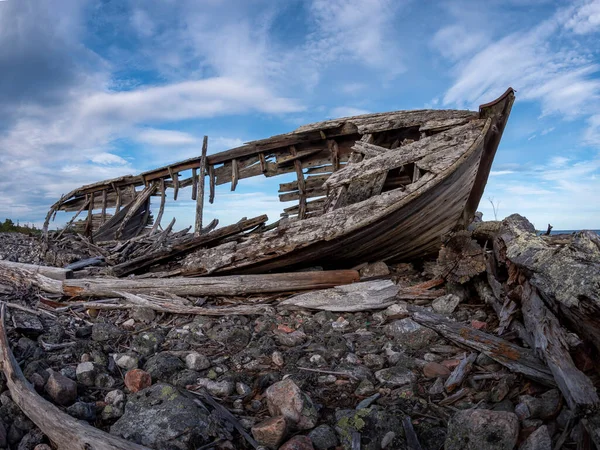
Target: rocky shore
502	356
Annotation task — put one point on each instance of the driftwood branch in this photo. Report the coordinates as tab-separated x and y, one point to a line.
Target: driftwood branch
66	432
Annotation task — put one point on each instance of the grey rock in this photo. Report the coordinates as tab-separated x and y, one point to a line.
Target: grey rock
184	378
445	304
242	389
395	376
197	361
163	366
102	332
365	387
69	372
372	425
437	387
31	439
61	389
111	412
145	315
115	397
125	361
160	417
217	388
323	437
86	373
26	323
538	440
290	339
480	428
104	381
3	436
377	269
410	334
82	411
147	343
374	361
368	401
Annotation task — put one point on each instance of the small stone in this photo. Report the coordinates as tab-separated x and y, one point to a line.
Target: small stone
163	366
323	437
397	310
115	397
364	388
388	439
242	389
86	373
298	443
277	358
317	360
145	315
285	398
111	412
128	325
42	447
368	401
374	361
437	387
104	381
290	339
340	324
395	376
435	370
410	334
538	440
147	343
61	389
137	379
69	372
217	388
377	269
102	332
38	381
86	357
474	429
126	362
522	411
82	411
445	304
270	432
478	324
197	361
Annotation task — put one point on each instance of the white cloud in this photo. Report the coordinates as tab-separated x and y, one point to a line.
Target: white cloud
165	138
497	173
345	111
105	158
455	42
585	19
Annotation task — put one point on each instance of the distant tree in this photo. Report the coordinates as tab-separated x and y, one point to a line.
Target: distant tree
495	206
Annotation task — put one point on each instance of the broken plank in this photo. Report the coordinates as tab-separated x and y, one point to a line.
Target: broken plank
309	193
515	358
211	181
188	245
55	273
309	182
161	209
200	189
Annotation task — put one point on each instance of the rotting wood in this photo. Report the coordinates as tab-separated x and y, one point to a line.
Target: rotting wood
66	432
103	217
136	204
56	273
460	373
70	222
235	174
88	222
301	184
515	358
200	193
550	345
161	209
194	182
175	177
263	162
118	197
188	245
211	178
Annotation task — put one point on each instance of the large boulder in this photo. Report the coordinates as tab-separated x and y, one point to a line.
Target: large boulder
161	417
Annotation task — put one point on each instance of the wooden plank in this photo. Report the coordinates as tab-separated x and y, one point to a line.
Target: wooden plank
200	193
186	246
103	214
225	285
309	193
311	206
235	174
301	185
211	178
161	209
300	154
309	182
175	177
117	190
64	431
263	162
194	183
135	205
88	223
335	154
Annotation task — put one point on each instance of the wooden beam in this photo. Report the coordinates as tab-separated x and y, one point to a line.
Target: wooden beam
88	223
200	191
117	190
161	209
55	273
194	183
103	215
263	163
235	174
175	177
211	181
301	185
135	205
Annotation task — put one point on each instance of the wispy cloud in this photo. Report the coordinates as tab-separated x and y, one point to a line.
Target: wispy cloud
345	111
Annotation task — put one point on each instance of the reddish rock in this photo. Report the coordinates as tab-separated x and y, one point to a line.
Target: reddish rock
298	443
270	432
285	328
435	370
450	363
137	379
478	324
284	398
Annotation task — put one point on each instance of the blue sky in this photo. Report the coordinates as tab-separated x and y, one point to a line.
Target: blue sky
93	89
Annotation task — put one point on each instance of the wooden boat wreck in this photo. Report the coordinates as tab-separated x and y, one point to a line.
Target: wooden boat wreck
383	186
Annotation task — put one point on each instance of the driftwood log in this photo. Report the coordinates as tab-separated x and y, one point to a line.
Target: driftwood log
66	432
55	273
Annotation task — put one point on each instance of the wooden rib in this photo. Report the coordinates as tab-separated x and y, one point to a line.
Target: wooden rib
161	208
135	205
335	154
263	165
416	174
308	193
103	215
301	185
117	190
309	182
287	159
235	173
175	177
88	223
87	201
211	180
194	182
200	194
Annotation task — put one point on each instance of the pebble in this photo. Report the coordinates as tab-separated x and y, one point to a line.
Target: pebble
437	387
468	430
197	361
398	310
445	304
86	373
102	332
126	362
42	447
323	437
129	325
104	381
388	439
377	269
435	370
277	358
478	324
82	411
285	398
374	361
395	376
163	366
298	443
340	324
365	387
137	379
217	388
61	389
270	432
290	339
115	397
242	389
